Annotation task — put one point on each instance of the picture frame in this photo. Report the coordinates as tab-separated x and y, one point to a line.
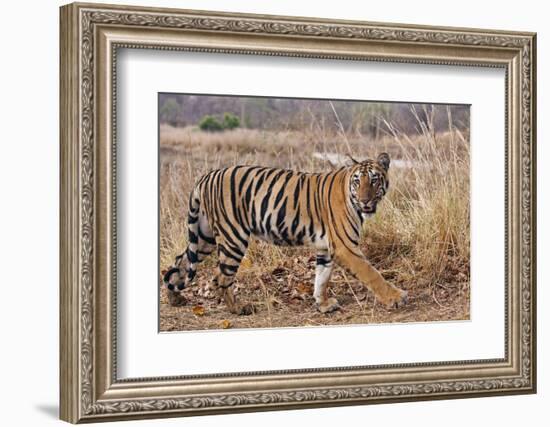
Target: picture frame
91	35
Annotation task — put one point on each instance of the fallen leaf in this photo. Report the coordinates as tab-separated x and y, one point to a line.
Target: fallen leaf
305	288
246	263
362	297
299	296
278	272
273	302
198	310
226	324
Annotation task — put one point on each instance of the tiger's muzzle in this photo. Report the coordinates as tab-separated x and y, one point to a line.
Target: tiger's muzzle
369	207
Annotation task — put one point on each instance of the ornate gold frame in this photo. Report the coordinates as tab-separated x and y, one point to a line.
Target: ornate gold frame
90	36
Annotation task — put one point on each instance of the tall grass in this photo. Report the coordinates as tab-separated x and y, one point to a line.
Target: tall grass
424	222
420	236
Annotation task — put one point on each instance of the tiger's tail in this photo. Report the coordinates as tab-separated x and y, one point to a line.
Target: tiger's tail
193	234
185	266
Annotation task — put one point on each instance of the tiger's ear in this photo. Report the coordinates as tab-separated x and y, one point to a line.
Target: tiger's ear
351	160
383	160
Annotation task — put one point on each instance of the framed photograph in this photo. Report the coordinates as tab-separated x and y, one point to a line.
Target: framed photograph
267	212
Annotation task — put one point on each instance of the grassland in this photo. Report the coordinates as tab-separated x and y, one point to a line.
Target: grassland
419	239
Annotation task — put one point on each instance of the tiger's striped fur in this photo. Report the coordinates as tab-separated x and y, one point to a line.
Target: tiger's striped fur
323	210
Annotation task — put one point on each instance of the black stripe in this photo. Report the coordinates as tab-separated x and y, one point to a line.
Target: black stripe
234	246
284	235
190	204
224	250
353	212
245	176
295	222
319	193
169	273
351	239
232	187
253	219
248	193
193	238
281	215
263	206
282	190
191	256
332	215
351	249
239	218
330	187
321	260
228	270
215	195
227	236
308	208
207	239
262	178
265	200
230	224
300	236
352	225
311	231
351	221
297	189
267	226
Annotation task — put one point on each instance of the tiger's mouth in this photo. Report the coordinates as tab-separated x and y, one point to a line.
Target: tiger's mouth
368	209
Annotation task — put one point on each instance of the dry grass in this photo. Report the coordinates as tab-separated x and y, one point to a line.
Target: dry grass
419	239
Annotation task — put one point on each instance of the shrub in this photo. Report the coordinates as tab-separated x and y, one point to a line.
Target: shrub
210	124
230	121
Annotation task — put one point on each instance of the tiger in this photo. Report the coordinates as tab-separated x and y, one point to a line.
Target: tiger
325	211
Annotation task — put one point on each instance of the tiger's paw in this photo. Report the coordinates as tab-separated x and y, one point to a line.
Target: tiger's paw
398	298
176	299
246	310
330	305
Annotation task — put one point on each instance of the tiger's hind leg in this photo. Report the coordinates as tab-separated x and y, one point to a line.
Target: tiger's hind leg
323	271
230	257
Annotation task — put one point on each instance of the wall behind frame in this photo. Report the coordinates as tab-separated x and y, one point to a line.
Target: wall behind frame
29	171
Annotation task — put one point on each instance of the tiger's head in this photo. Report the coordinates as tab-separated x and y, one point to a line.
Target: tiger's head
369	183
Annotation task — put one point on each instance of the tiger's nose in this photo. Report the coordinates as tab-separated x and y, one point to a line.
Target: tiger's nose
370	207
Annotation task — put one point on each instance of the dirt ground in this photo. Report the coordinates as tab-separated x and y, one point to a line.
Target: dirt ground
283	298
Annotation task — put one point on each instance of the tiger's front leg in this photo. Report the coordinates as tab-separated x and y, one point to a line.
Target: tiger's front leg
384	291
323	271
